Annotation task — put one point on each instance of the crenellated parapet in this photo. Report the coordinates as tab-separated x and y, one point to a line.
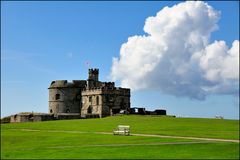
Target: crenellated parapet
93	74
88	97
93	71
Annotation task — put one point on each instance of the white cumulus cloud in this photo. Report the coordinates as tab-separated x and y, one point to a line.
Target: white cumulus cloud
175	56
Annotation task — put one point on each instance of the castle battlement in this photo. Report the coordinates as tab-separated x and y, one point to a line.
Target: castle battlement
93	71
88	97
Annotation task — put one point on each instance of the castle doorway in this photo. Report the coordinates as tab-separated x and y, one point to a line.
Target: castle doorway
89	110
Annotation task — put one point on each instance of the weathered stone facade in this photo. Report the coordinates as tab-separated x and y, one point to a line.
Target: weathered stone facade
105	101
30	117
65	97
34	117
89	98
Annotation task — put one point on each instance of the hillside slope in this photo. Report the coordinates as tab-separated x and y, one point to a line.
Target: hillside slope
193	127
69	139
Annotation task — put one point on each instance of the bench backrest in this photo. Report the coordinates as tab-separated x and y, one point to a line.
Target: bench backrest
122	127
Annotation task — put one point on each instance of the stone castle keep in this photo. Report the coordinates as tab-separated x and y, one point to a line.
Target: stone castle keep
89	98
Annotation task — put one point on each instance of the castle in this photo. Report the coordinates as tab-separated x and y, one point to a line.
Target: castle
89	98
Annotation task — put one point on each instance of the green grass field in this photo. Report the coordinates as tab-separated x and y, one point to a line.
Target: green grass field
50	139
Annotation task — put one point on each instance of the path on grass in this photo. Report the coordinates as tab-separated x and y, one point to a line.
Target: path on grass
192	138
133	144
144	135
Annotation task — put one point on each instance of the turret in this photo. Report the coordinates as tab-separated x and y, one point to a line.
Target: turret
93	74
92	78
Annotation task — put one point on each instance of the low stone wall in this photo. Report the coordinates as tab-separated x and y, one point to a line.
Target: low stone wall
30	117
92	116
67	116
5	119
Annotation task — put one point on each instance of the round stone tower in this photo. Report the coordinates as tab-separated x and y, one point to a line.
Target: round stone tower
65	97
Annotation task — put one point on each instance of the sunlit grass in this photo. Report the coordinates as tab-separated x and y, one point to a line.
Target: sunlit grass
43	143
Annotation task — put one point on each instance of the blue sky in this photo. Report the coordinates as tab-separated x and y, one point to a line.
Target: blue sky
45	41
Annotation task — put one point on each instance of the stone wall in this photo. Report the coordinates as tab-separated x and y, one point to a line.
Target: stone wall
105	101
30	117
91	102
65	97
89	98
64	100
62	116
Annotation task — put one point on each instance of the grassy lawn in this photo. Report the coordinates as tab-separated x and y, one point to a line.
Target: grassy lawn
45	144
194	127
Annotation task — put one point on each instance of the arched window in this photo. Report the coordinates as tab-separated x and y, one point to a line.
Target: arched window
89	109
57	96
68	111
50	110
97	100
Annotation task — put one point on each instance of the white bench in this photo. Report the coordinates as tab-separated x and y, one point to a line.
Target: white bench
122	130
